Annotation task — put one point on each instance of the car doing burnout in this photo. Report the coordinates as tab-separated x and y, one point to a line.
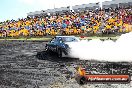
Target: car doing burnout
61	45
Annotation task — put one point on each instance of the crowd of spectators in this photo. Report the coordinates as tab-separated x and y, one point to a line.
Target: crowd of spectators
71	23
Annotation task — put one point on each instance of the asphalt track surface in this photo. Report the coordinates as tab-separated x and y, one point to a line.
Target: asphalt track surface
27	65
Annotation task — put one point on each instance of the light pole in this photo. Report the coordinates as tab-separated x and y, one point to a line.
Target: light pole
100	4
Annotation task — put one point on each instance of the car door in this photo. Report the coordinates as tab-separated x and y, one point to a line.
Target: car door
60	42
50	44
53	44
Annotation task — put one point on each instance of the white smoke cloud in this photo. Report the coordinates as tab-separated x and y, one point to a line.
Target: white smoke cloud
28	2
104	50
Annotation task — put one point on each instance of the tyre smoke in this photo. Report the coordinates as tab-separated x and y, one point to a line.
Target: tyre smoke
108	50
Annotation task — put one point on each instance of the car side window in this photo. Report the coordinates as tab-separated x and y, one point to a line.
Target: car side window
55	40
60	40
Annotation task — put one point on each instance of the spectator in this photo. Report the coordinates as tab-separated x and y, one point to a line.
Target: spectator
115	20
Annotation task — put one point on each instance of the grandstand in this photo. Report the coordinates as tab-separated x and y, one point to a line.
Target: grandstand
114	17
51	11
90	6
117	3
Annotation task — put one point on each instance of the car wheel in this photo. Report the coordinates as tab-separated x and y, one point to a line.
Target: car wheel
59	53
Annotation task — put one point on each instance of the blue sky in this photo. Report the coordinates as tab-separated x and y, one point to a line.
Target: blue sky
14	9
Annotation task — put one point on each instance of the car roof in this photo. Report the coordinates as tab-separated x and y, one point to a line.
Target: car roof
65	36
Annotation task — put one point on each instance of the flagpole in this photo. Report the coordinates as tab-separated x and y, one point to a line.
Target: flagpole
54	5
101	7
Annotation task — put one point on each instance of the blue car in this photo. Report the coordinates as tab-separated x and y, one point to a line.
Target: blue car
60	45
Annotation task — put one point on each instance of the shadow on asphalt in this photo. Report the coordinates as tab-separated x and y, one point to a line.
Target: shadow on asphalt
43	55
108	67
